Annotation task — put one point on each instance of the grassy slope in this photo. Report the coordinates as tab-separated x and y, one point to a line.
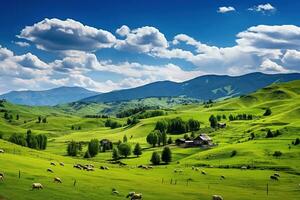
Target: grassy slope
250	184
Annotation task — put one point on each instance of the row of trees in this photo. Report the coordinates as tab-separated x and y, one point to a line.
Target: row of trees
271	134
177	126
40	119
158	138
30	140
166	156
240	117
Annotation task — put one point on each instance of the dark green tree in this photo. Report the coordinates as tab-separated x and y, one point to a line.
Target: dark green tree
115	154
268	112
166	155
125	139
161	125
194	125
152	138
213	121
170	141
155	158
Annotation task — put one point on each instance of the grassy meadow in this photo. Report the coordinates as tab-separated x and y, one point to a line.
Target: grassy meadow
161	182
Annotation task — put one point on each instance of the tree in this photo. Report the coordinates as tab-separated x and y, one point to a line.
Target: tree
18	139
137	150
213	121
152	138
124	149
162	126
155	159
93	147
297	141
115	154
231	118
268	112
194	125
252	136
39	119
224	116
125	139
17	117
44	120
177	126
73	148
170	141
166	155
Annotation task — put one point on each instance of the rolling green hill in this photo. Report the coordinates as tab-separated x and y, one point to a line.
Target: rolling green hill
159	182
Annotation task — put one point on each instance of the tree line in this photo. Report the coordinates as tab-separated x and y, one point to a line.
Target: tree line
29	140
177	125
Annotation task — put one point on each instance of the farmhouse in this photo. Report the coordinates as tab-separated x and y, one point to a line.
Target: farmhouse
199	141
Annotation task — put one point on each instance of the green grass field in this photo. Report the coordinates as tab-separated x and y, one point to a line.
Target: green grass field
283	99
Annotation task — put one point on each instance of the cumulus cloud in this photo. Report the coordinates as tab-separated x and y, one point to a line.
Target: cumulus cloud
225	9
141	40
270	66
263	8
60	35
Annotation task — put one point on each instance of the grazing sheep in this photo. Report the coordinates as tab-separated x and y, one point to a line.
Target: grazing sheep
276	174
2	174
134	196
104	167
77	166
1	151
222	177
244	167
62	164
274	177
57	180
203	172
217	197
49	170
1	177
37	186
150	167
115	191
52	163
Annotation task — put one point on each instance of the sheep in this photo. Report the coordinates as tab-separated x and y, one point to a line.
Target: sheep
49	170
1	177
62	164
277	174
203	172
37	186
52	163
1	151
244	167
274	177
134	196
222	177
77	166
115	192
104	167
217	197
90	169
2	174
57	180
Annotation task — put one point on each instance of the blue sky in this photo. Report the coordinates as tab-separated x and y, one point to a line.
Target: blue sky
109	45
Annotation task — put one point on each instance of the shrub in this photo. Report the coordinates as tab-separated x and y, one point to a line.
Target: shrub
115	154
269	134
153	137
73	148
233	153
277	153
213	121
268	112
170	141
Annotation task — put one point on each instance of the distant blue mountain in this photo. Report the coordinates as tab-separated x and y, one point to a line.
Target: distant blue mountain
50	97
203	87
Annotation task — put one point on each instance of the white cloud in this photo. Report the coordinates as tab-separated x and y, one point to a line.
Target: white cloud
22	44
141	40
264	8
60	35
225	9
270	66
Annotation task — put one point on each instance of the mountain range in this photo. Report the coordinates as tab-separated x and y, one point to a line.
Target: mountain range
203	87
50	97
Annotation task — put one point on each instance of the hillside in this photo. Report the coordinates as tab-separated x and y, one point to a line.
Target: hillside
48	97
203	88
257	153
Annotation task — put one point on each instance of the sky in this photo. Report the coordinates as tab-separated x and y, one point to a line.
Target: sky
117	44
